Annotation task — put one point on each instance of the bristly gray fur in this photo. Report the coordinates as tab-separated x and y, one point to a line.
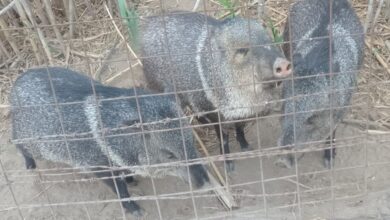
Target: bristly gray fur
34	117
311	58
190	51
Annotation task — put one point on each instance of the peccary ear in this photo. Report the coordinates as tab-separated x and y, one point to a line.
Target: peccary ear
240	55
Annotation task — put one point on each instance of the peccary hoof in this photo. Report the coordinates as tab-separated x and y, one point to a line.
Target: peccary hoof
328	164
131	181
229	166
285	161
247	148
134	209
30	163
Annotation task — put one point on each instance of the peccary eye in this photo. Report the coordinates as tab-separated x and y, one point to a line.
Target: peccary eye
169	154
243	51
130	122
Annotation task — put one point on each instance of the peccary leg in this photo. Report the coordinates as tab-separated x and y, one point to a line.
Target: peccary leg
226	149
30	162
329	154
131	180
131	206
213	118
240	136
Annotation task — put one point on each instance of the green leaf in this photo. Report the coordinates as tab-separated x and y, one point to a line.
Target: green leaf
131	19
277	37
229	5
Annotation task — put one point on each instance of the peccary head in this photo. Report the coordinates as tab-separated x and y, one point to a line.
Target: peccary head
249	58
250	50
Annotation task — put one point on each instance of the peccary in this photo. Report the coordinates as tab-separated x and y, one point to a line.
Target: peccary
64	126
325	71
213	65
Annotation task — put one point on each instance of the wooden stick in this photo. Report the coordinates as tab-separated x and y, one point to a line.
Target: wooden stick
25	21
378	11
378	57
225	197
41	36
108	55
121	35
6	8
4	50
41	13
52	20
196	5
7	36
369	15
71	17
206	152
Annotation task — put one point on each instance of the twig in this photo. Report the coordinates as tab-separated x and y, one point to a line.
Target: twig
196	5
52	20
225	198
7	36
86	54
378	132
6	8
41	36
370	12
378	11
25	21
121	35
71	10
300	184
4	50
378	57
109	80
108	55
363	124
206	152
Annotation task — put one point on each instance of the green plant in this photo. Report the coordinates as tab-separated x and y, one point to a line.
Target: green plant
277	37
229	5
131	19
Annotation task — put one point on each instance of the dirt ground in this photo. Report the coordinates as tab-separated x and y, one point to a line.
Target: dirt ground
357	188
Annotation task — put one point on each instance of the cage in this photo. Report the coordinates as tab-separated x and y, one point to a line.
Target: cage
103	40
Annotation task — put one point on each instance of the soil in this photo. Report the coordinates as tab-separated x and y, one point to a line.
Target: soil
357	188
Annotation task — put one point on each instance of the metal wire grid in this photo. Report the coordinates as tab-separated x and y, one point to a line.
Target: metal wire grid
11	175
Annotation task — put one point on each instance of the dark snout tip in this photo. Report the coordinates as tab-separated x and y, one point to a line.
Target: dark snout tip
199	175
282	68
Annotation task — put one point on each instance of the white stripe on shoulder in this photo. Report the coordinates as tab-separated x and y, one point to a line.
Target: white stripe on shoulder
199	47
91	112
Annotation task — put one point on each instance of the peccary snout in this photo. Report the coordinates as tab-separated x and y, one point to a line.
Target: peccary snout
282	68
199	175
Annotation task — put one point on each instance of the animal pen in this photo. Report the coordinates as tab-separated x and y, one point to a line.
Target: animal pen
92	37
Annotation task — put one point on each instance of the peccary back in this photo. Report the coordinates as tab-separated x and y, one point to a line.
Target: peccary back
338	53
85	126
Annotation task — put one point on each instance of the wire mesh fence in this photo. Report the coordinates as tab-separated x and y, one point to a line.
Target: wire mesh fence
164	152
